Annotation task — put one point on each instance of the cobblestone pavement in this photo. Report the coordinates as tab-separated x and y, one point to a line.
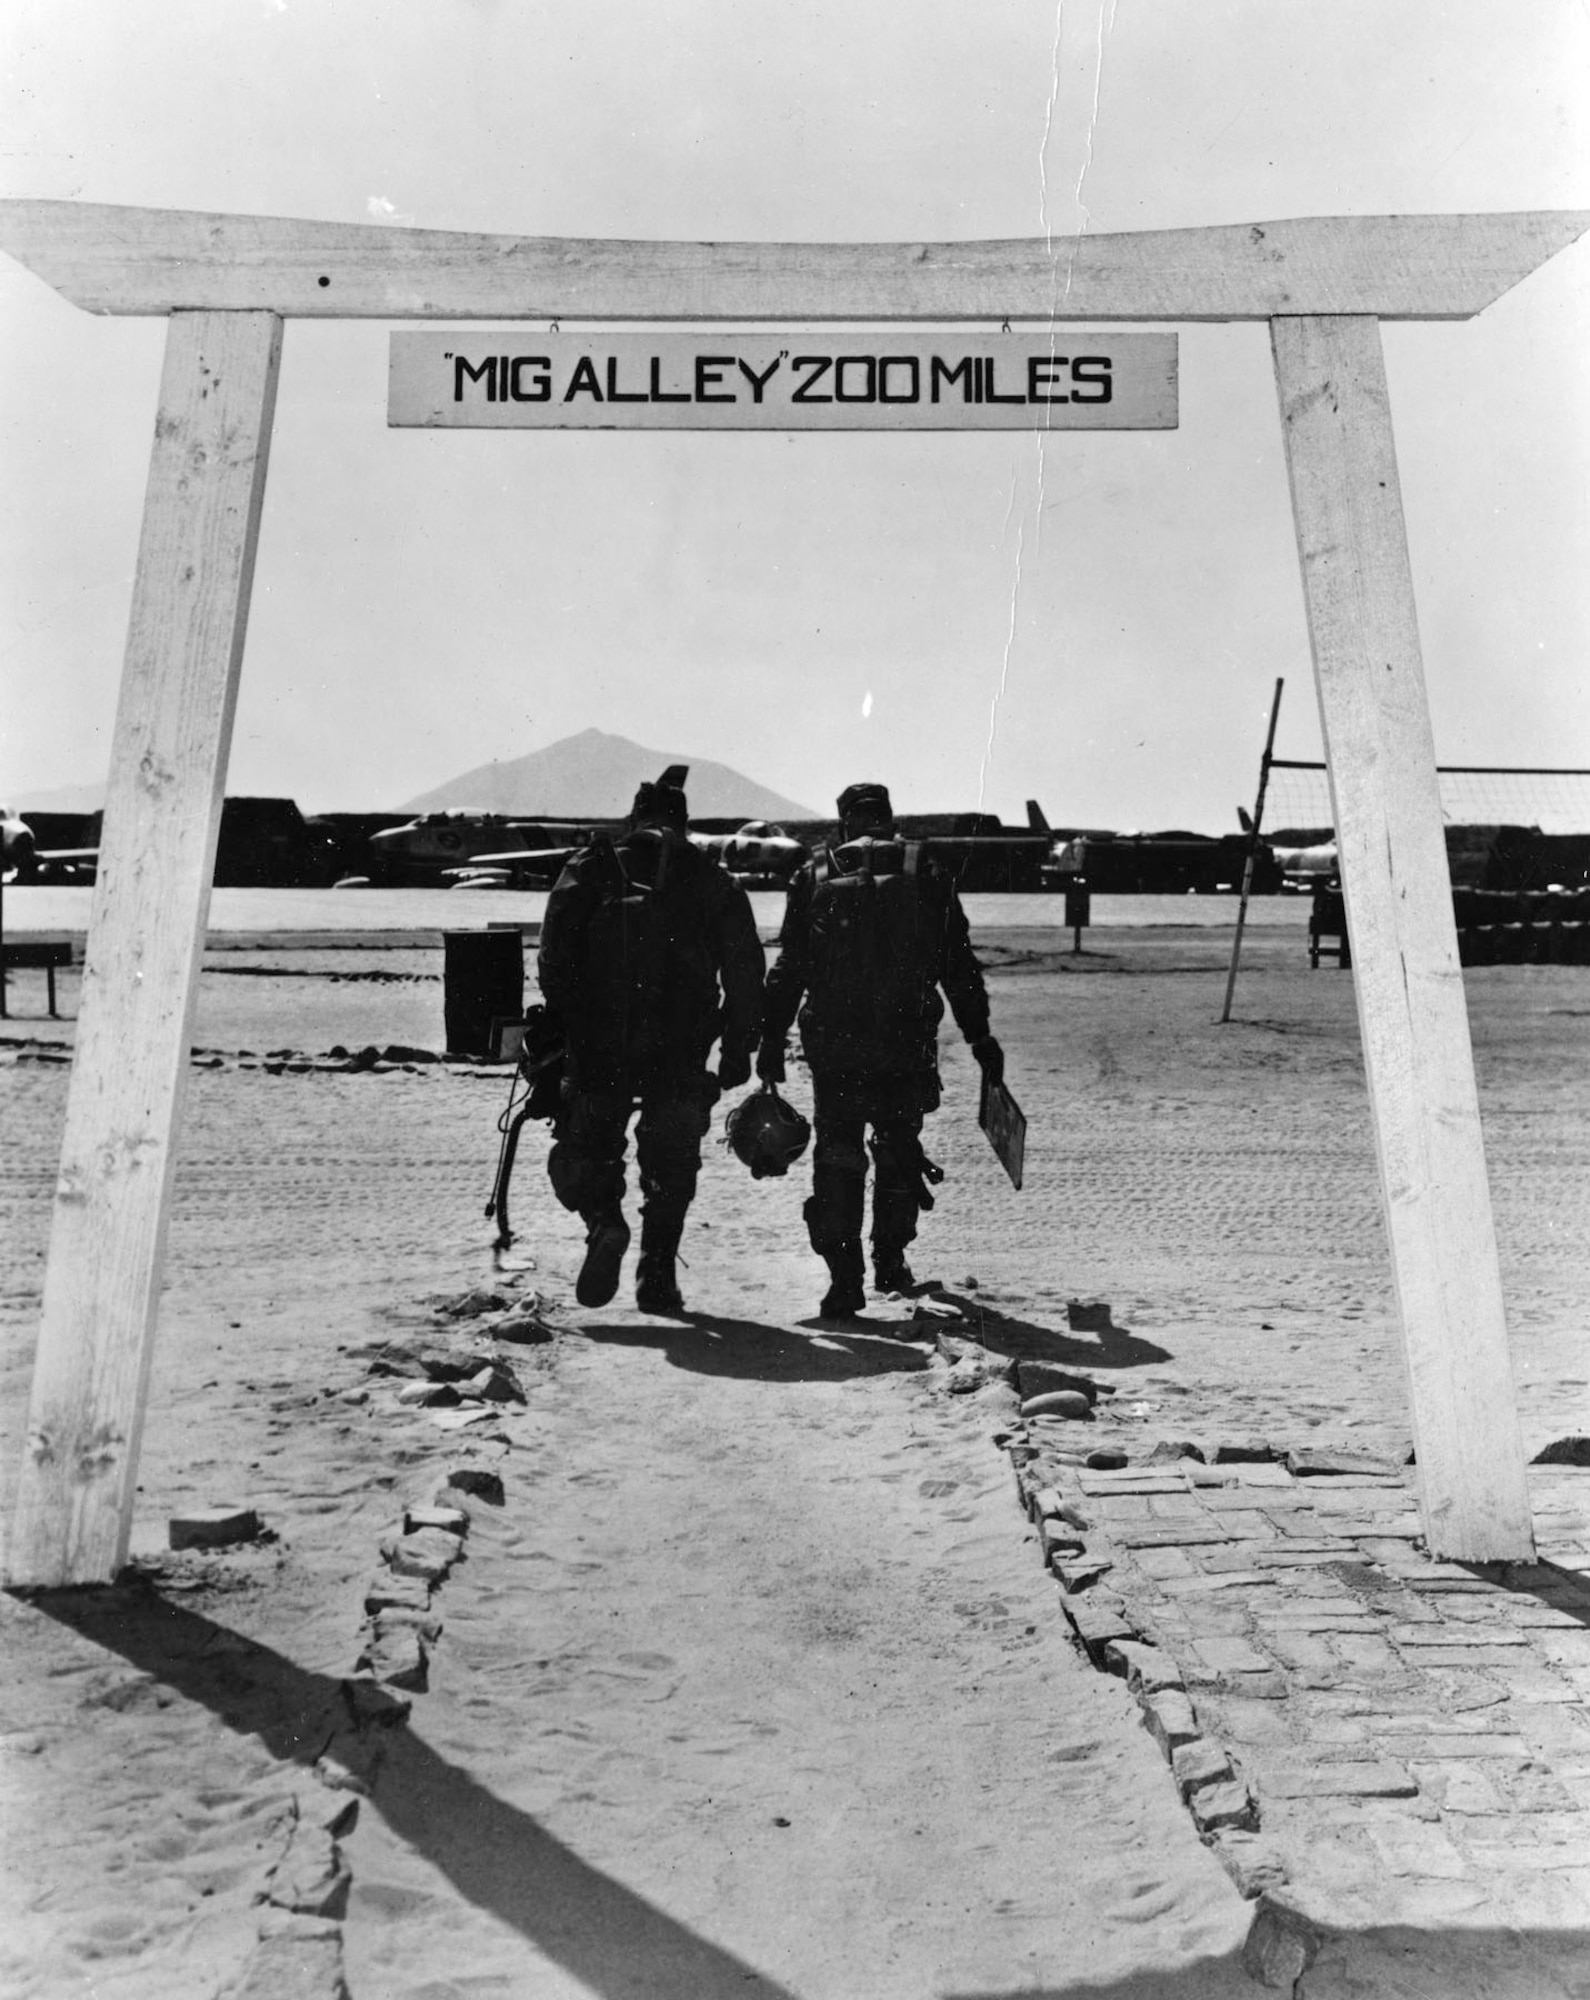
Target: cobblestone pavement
1375	1744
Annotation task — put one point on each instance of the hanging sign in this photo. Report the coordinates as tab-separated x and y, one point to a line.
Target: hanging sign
1066	379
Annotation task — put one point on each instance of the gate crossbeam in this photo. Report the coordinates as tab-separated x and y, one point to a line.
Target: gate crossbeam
110	259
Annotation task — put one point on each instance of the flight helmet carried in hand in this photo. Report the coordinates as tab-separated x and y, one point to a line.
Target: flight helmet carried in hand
766	1133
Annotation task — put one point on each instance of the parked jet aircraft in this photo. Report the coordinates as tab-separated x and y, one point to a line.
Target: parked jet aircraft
439	847
1318	861
460	848
760	853
23	860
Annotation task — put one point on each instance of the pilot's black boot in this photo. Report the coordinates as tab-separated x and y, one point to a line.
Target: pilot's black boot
656	1285
662	1223
846	1295
606	1240
890	1271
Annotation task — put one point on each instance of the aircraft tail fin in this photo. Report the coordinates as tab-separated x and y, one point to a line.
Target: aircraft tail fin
1245	820
675	774
1035	818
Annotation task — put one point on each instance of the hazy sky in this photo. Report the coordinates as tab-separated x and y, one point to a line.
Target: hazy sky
1094	619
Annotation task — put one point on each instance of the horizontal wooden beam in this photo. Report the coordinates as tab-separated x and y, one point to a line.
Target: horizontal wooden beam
148	260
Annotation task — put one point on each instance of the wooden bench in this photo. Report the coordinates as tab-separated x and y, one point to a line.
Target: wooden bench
34	954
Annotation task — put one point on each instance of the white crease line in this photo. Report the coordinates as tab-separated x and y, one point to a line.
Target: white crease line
1010	640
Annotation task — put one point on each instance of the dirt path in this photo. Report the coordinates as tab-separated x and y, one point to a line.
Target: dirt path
770	1698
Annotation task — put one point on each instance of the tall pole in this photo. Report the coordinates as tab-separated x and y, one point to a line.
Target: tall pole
1253	848
74	1497
1412	1016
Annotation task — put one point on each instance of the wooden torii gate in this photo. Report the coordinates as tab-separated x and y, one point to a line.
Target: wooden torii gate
227	282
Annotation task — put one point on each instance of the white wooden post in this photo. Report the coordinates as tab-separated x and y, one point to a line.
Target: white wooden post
1347	503
145	943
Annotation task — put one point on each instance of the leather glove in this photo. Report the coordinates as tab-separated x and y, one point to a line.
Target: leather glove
770	1062
990	1057
734	1068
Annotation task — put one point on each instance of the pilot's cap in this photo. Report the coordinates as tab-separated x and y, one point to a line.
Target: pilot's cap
865	801
661	805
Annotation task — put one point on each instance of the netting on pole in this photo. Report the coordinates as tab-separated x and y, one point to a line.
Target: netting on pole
1554	801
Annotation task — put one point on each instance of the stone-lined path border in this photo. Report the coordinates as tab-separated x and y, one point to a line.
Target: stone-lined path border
456	1373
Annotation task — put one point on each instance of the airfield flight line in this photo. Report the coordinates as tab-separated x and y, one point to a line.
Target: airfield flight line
227	284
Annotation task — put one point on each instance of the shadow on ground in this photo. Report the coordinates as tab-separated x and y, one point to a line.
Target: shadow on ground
826	1350
1107	1346
1381	1962
502	1860
709	1344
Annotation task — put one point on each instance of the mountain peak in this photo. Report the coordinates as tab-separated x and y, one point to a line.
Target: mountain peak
593	775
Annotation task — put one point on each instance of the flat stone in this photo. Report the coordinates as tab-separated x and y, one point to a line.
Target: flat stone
430	1554
1059	1538
1411	1569
1213	1581
1244	1499
395	1655
1162	1564
477	1480
1232	1656
1535	1791
1041	1378
1419	1748
311	1877
1266	1475
1248	1526
1178	1451
452	1520
1460	1788
1323	1462
400	1618
1170	1534
293	1965
1224	1805
1447	1636
1459	1656
1132	1481
1170	1719
212	1527
1078	1574
1284	1617
462	1419
1149	1668
1301	1651
334	1812
1096	1620
372	1705
1201	1762
428	1395
386	1589
1411	1847
1252	1862
1370	1778
495	1385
